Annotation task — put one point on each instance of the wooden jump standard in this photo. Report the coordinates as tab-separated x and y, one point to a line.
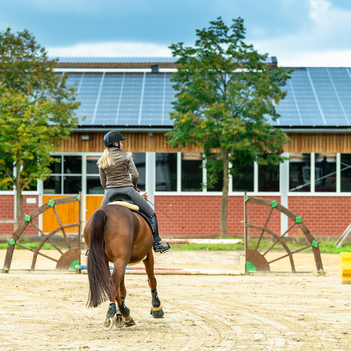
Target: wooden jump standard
256	261
68	257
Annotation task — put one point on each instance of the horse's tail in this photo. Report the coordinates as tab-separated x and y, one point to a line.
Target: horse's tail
98	272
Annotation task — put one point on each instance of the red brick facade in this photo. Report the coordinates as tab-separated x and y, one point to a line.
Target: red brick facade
324	215
200	215
7	210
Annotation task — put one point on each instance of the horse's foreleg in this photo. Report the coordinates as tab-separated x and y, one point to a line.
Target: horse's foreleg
157	309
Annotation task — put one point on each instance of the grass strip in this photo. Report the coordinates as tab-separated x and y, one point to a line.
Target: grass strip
32	246
325	246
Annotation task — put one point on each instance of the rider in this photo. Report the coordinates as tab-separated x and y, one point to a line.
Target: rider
115	166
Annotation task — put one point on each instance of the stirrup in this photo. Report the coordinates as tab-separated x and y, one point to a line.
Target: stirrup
87	253
158	247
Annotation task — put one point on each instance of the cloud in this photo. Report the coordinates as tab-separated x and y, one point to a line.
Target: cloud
324	43
333	58
111	49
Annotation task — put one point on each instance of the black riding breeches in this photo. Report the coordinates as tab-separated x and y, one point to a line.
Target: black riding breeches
136	197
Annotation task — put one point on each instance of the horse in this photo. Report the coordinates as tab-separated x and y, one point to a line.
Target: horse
116	234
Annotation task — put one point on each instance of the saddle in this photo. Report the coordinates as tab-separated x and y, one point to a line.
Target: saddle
125	200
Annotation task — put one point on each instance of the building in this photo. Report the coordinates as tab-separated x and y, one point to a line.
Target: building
134	95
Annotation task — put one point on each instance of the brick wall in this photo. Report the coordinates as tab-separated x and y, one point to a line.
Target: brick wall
200	215
7	212
324	215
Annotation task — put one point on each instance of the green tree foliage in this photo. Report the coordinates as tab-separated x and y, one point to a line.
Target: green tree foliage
36	112
225	91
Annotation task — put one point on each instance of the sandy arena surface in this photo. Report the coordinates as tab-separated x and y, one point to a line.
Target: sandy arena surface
46	310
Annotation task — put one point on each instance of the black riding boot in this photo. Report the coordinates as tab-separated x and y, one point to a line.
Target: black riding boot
157	246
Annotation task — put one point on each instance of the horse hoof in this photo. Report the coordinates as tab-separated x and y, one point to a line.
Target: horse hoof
108	323
157	314
130	323
119	323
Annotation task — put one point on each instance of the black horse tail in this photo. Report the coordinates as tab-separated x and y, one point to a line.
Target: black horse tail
98	272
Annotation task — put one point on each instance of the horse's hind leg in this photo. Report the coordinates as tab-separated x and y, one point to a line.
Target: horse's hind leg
118	281
122	292
156	310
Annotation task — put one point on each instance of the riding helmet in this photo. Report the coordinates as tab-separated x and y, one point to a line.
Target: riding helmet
111	137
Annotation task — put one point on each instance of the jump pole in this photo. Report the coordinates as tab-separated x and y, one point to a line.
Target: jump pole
168	271
204	241
180	271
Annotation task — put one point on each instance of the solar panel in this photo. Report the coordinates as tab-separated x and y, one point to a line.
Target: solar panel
315	97
107	108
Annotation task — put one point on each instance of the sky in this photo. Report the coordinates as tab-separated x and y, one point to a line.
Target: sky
300	33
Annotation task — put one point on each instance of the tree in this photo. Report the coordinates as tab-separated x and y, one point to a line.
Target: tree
36	112
225	91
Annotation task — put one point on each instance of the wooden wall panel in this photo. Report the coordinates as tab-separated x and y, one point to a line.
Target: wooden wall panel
157	142
319	142
135	141
68	213
92	204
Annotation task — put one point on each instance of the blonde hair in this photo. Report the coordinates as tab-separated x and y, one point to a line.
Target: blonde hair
105	160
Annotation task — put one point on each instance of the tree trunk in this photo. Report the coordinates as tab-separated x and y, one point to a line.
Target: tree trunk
19	196
225	190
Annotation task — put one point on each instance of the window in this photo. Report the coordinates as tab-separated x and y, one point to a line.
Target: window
93	178
268	178
244	180
66	176
325	172
217	186
191	171
52	184
300	172
345	173
166	171
139	160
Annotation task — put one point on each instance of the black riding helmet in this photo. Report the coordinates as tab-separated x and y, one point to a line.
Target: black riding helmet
111	137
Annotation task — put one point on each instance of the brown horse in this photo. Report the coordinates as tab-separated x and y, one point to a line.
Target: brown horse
116	234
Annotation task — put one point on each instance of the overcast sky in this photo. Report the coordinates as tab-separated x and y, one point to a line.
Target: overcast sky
297	32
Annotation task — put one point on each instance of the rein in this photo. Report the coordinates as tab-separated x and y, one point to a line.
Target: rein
165	214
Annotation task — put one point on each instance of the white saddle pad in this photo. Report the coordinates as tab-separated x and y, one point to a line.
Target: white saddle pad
125	204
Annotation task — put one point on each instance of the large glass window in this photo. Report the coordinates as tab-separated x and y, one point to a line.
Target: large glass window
72	164
300	172
52	185
191	172
139	160
93	179
217	186
66	176
268	178
345	172
325	172
166	171
244	180
92	167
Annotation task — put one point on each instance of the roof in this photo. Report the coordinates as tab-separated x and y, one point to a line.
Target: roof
126	62
317	98
117	59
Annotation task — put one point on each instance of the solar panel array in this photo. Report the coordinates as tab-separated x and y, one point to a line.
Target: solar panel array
130	99
316	97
